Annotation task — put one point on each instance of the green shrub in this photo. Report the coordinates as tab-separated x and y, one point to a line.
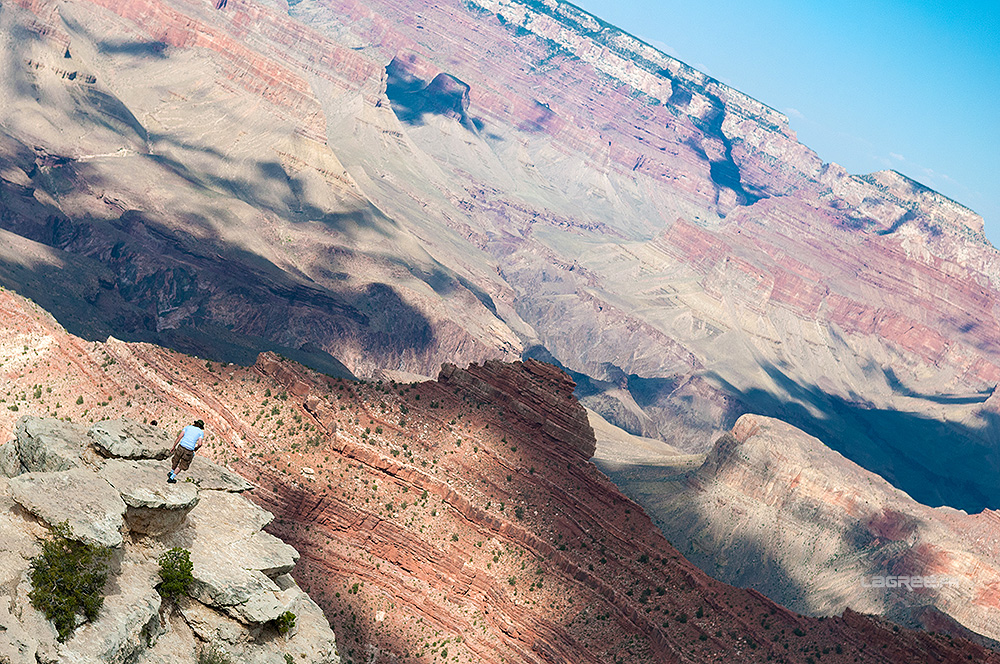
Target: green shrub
212	655
67	579
285	622
175	573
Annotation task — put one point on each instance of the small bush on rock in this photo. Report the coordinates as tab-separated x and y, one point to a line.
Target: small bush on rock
67	579
176	573
212	655
285	622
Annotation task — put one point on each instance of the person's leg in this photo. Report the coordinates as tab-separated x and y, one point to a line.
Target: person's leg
182	462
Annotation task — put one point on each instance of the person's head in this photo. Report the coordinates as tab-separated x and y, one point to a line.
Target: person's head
199	424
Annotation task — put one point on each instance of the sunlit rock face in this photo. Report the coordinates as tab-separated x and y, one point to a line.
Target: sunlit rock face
379	187
773	508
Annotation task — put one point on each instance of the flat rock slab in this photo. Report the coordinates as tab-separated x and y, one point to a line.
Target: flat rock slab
208	475
48	445
128	439
93	508
154	505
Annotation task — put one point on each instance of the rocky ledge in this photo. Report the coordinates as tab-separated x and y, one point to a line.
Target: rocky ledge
55	472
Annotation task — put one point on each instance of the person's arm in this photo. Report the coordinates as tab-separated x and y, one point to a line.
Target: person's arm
197	446
179	436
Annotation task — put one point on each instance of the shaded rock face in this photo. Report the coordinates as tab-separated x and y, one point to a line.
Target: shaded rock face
46	445
537	395
241	573
441	514
775	509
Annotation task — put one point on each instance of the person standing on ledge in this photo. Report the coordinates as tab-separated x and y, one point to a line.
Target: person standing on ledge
187	443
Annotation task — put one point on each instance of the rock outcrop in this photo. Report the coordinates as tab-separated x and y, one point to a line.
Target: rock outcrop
46	445
775	509
93	509
125	439
241	573
153	507
537	395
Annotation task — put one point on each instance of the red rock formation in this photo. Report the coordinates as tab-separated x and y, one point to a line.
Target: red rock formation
507	547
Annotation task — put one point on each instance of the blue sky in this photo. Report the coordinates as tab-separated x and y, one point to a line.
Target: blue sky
913	86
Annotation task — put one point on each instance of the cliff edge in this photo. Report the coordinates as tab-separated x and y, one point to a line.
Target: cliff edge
107	485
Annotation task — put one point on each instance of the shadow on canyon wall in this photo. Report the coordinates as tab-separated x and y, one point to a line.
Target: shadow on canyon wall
936	462
413	99
139	279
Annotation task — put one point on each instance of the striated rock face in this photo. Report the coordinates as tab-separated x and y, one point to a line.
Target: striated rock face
424	526
536	395
775	509
435	518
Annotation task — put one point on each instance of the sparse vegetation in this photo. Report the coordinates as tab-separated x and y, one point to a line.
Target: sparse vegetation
285	623
212	655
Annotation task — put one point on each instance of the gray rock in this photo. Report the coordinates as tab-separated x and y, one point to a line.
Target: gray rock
154	506
128	623
312	639
234	525
208	475
10	460
233	558
128	439
48	445
247	595
91	506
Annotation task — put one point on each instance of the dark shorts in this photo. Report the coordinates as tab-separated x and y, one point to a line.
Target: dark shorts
182	458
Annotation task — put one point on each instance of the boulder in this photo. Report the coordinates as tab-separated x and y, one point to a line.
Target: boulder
210	625
128	439
247	595
208	475
154	506
93	509
47	445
